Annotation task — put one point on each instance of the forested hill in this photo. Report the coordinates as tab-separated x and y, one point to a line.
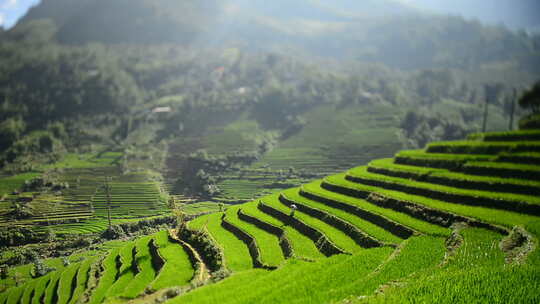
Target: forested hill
376	31
86	75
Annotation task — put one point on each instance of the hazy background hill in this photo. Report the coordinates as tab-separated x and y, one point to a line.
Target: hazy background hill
273	84
378	31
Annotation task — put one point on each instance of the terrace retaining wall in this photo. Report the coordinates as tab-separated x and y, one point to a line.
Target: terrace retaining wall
250	242
321	241
284	242
393	227
430	215
358	236
463	199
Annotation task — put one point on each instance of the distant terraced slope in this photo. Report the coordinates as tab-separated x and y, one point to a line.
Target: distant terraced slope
456	222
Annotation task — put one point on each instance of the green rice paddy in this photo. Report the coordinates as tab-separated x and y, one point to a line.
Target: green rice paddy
425	254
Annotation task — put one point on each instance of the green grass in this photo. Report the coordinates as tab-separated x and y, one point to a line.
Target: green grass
28	289
3	296
399	217
82	278
506	136
107	277
8	184
338	237
495	165
328	144
367	227
504	218
15	294
329	280
481	147
421	172
302	246
510	197
417	254
147	272
268	244
41	284
177	270
87	160
422	154
52	286
235	252
126	274
476	274
294	281
65	283
200	207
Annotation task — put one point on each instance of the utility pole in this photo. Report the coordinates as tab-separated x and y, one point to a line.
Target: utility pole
108	194
512	110
484	123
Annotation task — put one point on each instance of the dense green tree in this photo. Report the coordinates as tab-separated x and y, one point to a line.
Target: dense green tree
11	130
531	99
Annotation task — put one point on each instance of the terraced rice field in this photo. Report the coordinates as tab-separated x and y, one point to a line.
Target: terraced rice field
83	206
423	227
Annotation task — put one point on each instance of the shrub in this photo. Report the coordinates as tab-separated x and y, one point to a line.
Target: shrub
40	269
17	236
531	99
113	232
4	272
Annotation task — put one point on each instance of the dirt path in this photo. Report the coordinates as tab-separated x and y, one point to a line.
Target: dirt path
202	274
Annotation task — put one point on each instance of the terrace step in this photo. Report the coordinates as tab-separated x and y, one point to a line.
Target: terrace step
412	208
421	158
249	240
51	292
347	204
530	158
66	283
83	275
521	203
14	295
478	147
324	244
235	252
126	270
302	246
336	235
146	272
271	253
360	237
522	135
284	242
107	277
201	274
454	179
40	287
29	289
504	170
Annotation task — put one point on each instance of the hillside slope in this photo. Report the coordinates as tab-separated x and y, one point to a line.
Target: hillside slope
374	31
455	222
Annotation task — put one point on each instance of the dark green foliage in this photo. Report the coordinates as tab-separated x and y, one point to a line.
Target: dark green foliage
3	272
15	236
43	183
531	99
40	269
419	128
140	227
113	232
530	122
10	131
20	211
209	251
434	84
